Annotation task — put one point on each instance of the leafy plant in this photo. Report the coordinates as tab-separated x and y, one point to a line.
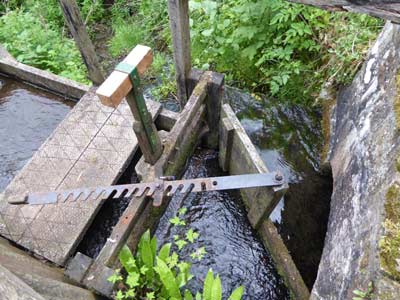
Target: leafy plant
92	11
277	47
212	289
361	295
137	22
164	275
150	275
32	42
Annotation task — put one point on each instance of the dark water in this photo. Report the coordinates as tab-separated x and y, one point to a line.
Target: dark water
27	117
289	139
108	216
233	249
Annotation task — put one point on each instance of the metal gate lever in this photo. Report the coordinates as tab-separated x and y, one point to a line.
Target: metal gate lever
157	189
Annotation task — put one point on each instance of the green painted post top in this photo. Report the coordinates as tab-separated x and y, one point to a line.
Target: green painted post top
131	71
145	117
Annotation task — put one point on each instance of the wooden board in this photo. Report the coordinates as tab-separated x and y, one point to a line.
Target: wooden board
178	11
90	147
118	84
43	79
389	10
75	24
244	158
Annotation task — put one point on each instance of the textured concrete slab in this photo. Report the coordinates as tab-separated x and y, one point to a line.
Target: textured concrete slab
90	147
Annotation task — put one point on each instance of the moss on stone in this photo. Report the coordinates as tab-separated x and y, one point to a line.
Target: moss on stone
396	104
389	245
398	164
326	126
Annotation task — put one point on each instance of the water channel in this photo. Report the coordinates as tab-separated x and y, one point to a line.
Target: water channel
288	138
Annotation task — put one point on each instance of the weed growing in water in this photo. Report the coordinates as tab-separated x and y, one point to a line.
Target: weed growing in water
163	275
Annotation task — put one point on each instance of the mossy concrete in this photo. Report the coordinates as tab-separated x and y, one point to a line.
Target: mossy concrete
363	236
396	102
389	245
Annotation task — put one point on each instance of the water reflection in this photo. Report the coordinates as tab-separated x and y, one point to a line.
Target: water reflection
27	116
288	138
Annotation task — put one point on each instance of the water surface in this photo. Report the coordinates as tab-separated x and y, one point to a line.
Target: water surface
234	251
289	139
27	116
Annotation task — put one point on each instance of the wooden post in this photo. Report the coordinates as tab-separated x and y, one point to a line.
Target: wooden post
178	11
214	102
75	24
124	82
227	131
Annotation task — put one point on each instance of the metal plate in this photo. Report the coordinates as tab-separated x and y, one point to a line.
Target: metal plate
163	187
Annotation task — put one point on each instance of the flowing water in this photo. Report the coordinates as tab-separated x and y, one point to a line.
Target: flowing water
233	248
27	116
289	139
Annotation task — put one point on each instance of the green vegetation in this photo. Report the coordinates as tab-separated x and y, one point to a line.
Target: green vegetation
278	47
389	245
32	42
34	37
265	46
136	22
364	295
163	275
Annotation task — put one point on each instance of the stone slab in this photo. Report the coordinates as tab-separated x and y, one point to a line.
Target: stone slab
45	279
11	287
78	266
90	147
364	148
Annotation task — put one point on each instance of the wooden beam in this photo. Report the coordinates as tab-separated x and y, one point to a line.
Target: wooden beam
118	84
389	10
283	260
109	253
166	119
227	130
12	287
182	125
213	103
125	82
260	202
178	11
244	159
75	24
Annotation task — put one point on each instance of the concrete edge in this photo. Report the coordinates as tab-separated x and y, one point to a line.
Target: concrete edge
43	79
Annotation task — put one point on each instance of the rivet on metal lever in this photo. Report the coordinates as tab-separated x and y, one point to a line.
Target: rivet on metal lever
278	177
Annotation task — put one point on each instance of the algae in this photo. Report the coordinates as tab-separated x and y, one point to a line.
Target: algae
396	104
389	245
326	126
398	164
